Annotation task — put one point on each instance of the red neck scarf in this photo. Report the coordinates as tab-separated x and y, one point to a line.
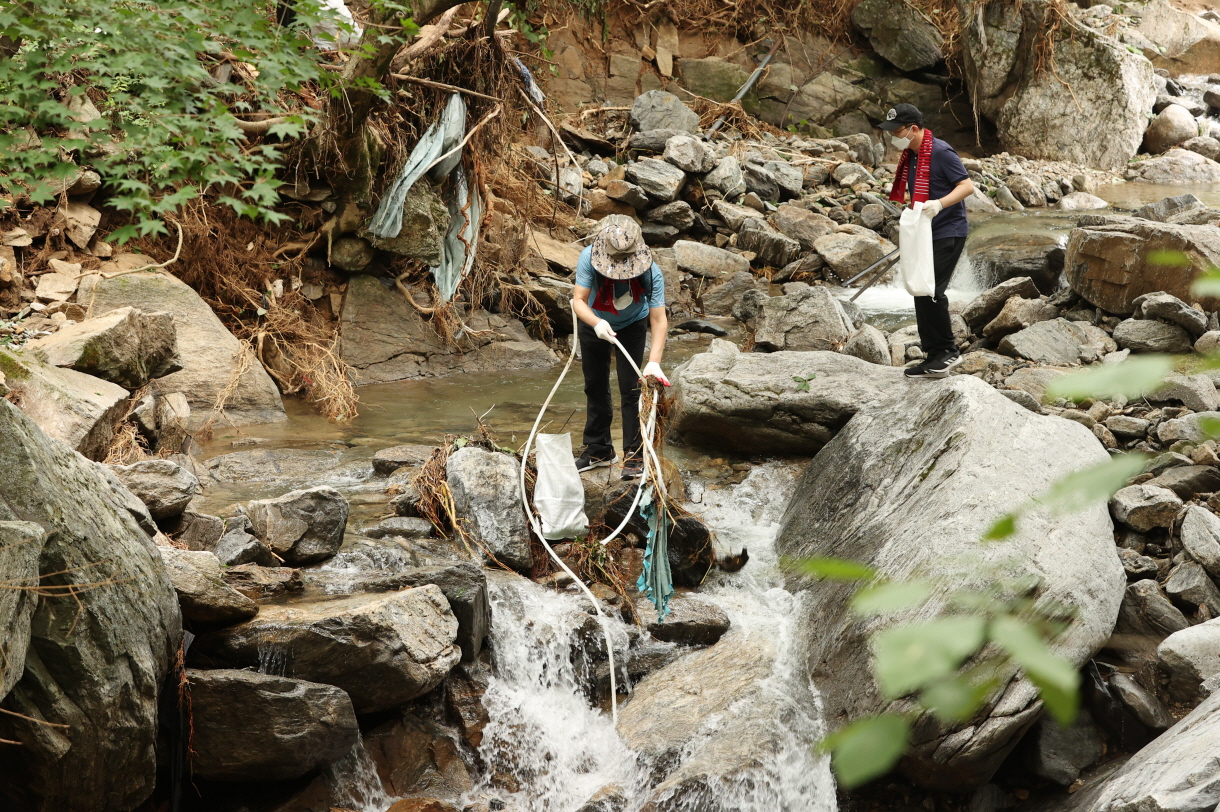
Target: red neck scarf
604	300
898	192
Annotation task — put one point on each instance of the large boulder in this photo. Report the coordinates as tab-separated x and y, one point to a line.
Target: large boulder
259	727
202	592
1185	43
1177	772
485	493
125	346
96	658
1108	260
1091	109
1191	657
20	545
1172	127
1176	166
1060	342
900	34
912	484
810	319
751	403
383	650
214	362
802	225
659	110
164	486
1013	256
301	526
988	304
385	339
849	252
708	261
1149	335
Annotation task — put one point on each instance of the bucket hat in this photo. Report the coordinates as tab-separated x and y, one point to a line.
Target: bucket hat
619	251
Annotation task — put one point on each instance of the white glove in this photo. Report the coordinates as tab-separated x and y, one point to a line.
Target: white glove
653	369
603	331
932	208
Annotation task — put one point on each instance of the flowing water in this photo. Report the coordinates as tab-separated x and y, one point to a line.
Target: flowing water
547	748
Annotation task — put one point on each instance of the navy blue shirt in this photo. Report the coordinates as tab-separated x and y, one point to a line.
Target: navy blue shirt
947	172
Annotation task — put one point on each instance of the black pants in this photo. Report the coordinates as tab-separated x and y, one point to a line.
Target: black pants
932	312
595	363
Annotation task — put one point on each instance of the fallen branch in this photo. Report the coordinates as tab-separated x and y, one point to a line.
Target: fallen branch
156	267
435	34
442	86
258	127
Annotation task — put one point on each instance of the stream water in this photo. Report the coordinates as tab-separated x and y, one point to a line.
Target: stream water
546	748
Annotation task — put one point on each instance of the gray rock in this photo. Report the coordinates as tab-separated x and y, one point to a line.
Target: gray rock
1191	657
760	181
237	545
728	400
658	235
1034	381
484	486
1177	772
351	254
658	110
210	355
734	216
399	527
1170	308
1023	399
1143	507
1209	342
1150	711
708	261
789	178
464	585
677	214
1205	145
848	253
1200	535
1058	754
1007	201
1188	480
77	409
727	178
719	301
425	219
1145	618
94	662
690	622
164	487
1192	427
1144	335
1012	256
652	140
383	650
849	174
1172	126
1167	207
259	727
388	460
125	346
802	225
770	247
1059	341
660	180
1080	201
1136	565
960	454
810	319
690	154
261	583
1178	166
1128	427
301	526
1017	314
628	193
988	304
980	203
899	34
1188	582
1195	392
1026	190
202	592
869	344
749	308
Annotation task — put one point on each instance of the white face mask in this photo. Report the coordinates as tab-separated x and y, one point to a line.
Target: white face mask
900	143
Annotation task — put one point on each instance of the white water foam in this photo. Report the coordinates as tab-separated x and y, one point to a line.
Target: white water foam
355	784
557	751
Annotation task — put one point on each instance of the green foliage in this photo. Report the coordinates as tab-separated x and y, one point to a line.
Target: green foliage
166	132
867	749
1131	379
1207	284
802	382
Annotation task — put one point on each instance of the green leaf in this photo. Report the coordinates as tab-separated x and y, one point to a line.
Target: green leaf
1056	678
1087	486
1207	284
1167	256
889	597
867	749
1004	527
834	569
909	657
1209	426
955	699
1131	378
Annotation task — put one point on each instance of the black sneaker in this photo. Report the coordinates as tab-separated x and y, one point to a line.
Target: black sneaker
587	461
935	368
633	468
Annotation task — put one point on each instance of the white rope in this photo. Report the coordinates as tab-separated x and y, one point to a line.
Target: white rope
650	426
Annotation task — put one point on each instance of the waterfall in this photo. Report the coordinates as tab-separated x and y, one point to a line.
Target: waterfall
355	784
547	750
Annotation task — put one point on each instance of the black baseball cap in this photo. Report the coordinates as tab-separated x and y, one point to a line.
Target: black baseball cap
900	115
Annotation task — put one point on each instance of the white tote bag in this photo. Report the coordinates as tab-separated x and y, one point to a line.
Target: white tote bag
559	493
915	262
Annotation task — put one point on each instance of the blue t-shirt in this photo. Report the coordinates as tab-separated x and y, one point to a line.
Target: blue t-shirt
947	172
654	294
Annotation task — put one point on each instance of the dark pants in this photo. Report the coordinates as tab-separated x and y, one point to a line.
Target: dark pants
595	363
932	312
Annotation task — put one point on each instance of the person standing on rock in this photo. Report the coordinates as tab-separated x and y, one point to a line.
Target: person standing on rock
628	293
930	172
